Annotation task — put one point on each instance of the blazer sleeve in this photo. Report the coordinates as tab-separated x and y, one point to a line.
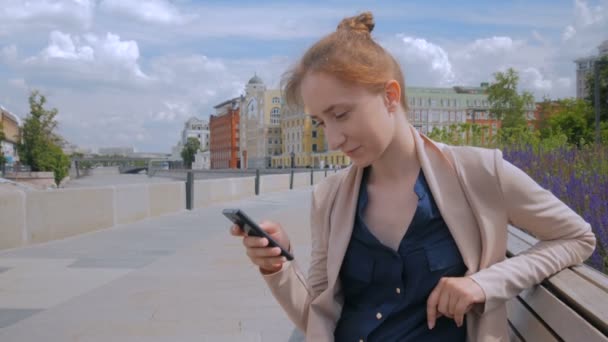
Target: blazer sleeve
565	238
291	289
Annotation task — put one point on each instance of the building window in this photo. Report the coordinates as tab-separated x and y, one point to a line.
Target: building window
269	140
314	134
435	116
314	147
276	100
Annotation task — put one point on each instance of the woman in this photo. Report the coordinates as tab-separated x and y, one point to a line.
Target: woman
409	243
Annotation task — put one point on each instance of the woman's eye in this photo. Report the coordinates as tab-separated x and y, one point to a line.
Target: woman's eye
341	115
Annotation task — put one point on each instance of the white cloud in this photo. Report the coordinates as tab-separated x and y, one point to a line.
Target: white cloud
9	53
154	11
62	46
19	15
427	63
487	47
569	32
102	58
586	30
533	78
18	83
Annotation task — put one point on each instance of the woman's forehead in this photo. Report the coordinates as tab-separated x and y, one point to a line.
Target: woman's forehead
321	93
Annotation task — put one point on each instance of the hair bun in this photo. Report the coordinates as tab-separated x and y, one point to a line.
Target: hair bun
363	23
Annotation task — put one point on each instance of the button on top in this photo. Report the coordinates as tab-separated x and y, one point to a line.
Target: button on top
398	290
379	315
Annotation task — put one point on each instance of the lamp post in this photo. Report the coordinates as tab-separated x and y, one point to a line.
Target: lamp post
596	83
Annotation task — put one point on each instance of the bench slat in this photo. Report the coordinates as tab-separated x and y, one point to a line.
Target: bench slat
596	277
526	324
564	321
582	296
513	337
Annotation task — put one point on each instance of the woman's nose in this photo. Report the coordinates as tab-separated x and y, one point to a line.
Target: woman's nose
335	138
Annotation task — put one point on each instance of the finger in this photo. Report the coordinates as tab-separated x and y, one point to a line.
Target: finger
431	306
263	252
270	227
270	263
452	301
236	231
255	242
443	302
462	307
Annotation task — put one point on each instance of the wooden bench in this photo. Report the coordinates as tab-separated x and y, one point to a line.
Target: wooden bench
572	305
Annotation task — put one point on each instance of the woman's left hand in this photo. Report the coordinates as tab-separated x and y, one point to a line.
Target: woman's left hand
453	298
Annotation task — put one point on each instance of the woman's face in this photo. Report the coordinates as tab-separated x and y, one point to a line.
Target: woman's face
355	120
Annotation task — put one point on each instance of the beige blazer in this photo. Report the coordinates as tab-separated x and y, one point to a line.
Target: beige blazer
478	194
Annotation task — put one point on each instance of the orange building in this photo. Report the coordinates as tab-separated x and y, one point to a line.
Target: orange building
224	135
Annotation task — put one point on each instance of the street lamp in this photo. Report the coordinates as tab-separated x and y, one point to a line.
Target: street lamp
596	72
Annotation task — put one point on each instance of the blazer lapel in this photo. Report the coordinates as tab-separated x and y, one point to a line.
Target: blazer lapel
450	199
342	220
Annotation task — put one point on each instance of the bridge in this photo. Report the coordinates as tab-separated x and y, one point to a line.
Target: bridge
129	165
130	264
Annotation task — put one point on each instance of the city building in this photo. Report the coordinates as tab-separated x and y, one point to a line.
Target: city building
440	108
304	143
584	69
11	126
260	125
224	135
193	128
196	128
202	160
116	151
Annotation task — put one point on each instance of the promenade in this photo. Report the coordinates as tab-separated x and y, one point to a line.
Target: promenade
178	277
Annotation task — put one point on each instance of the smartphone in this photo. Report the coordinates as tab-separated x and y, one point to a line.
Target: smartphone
241	219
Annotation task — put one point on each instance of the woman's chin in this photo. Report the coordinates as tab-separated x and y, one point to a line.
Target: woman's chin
360	162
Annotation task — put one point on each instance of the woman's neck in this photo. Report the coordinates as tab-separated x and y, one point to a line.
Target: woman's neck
399	162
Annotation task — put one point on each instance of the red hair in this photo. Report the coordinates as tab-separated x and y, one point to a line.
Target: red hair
349	54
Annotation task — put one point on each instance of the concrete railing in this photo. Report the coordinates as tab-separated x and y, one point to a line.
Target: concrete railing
28	217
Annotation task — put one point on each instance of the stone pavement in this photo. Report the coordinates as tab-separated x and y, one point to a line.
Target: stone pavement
179	277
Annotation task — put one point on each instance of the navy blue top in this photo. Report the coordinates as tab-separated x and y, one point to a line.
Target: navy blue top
385	291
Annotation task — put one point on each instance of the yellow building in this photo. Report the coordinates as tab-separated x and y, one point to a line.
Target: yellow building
260	125
10	125
304	144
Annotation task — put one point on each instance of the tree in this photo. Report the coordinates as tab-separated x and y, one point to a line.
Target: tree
505	102
38	147
570	118
603	92
192	146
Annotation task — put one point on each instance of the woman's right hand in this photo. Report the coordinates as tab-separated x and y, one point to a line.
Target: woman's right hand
268	259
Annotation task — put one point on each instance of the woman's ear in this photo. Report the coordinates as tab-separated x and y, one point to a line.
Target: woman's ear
392	95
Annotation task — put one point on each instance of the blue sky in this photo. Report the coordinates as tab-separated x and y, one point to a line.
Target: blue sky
130	72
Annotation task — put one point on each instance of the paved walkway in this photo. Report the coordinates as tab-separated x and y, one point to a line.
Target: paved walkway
180	277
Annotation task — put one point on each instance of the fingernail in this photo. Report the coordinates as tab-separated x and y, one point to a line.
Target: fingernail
284	259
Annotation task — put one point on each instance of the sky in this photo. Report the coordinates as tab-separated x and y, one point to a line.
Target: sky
131	72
